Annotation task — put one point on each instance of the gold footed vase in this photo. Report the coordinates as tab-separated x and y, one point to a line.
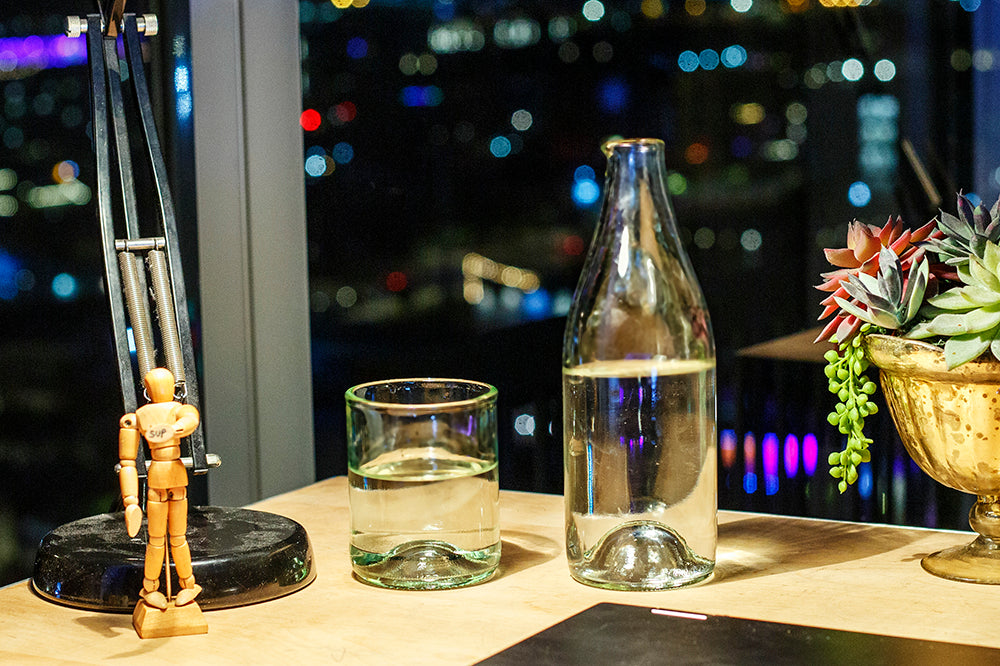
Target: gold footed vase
949	422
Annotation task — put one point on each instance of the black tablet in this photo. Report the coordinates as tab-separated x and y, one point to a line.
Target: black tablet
618	634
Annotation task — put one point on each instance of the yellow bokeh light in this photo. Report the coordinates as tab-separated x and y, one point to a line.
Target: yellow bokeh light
341	4
652	8
360	3
473	291
747	114
694	7
476	268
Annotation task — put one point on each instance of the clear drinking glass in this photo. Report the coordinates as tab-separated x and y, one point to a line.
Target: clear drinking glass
424	490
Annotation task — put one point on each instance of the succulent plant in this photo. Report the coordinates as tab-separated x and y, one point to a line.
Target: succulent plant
845	372
890	300
966	234
862	256
968	316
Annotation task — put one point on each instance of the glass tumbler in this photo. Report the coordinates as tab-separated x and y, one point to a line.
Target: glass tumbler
423	484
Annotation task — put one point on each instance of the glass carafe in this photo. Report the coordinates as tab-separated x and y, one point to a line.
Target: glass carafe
639	422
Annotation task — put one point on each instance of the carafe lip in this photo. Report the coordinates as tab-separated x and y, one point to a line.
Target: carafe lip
648	143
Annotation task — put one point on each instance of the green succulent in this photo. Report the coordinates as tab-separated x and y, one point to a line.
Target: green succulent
890	301
845	373
968	316
966	234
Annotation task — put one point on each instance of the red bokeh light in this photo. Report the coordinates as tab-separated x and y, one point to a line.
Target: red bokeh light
310	120
395	281
346	112
696	153
573	245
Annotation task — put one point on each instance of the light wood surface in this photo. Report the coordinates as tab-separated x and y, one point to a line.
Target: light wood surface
831	574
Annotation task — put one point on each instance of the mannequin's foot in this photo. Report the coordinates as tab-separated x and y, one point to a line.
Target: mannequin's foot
187	595
154	598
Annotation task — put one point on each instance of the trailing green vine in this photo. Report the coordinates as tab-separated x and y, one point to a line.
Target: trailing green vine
845	371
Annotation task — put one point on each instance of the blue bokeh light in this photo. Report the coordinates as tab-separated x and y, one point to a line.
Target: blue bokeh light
734	56
64	286
444	11
584	172
414	96
342	153
741	147
586	192
859	194
612	95
315	165
688	61
8	276
708	59
500	146
357	48
537	304
866	482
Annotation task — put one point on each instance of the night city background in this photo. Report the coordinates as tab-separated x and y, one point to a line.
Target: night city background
453	180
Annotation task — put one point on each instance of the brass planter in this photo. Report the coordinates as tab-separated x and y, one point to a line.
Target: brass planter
949	422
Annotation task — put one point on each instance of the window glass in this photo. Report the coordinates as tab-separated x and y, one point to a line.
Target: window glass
448	143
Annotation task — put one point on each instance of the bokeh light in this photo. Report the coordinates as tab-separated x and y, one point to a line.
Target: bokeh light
524	425
749	113
741	6
852	69
357	48
315	165
586	192
734	56
396	281
65	171
677	184
694	7
791	455
696	153
708	59
584	172
573	245
741	147
613	95
652	9
796	113
310	120
593	10
885	70
687	61
521	120
859	194
704	238
345	112
346	296
751	240
64	286
418	96
500	146
961	60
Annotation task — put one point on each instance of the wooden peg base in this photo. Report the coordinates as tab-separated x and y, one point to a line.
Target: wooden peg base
151	622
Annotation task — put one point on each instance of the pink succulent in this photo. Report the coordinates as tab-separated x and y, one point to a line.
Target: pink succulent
864	242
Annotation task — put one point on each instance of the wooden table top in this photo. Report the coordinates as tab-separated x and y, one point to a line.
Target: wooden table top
831	574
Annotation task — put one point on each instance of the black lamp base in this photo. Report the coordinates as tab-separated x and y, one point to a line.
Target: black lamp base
240	557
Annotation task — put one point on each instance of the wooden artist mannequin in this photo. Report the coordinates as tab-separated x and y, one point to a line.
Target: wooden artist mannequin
162	423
